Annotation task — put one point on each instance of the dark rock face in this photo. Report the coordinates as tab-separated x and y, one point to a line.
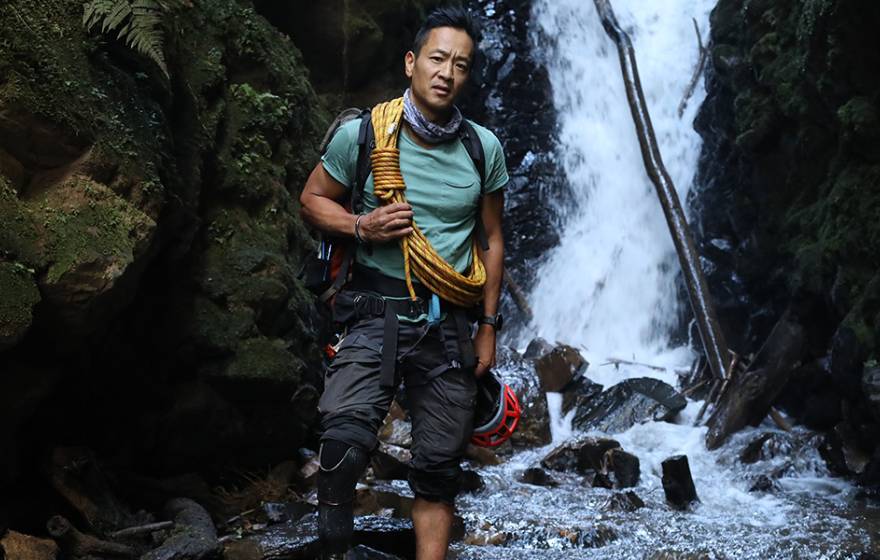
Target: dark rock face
514	100
628	403
148	275
786	193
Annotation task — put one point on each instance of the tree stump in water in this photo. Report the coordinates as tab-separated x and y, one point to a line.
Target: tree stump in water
678	483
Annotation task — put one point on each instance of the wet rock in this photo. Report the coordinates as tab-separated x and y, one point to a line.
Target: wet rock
396	431
624	466
766	446
390	462
842	451
630	402
810	396
871	475
627	501
582	455
390	535
598	479
537	477
589	537
19	546
847	356
677	482
308	473
537	348
299	540
534	426
194	537
470	481
871	388
481	455
557	368
362	552
486	536
76	475
763	483
386	497
579	393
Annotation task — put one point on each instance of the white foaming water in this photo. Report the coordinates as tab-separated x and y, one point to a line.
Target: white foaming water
610	284
609	288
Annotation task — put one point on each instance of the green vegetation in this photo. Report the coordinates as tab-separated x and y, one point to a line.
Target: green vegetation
137	22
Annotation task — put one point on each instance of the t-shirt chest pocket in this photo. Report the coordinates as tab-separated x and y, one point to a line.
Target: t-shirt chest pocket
458	198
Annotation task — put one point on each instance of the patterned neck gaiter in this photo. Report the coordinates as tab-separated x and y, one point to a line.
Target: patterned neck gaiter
428	131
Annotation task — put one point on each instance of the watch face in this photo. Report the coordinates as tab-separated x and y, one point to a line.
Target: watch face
499	321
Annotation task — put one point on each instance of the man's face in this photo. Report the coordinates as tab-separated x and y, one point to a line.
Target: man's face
440	71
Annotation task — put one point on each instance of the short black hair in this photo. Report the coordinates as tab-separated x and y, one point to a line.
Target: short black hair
450	16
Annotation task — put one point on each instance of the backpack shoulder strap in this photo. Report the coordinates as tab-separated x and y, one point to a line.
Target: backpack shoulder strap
366	142
474	148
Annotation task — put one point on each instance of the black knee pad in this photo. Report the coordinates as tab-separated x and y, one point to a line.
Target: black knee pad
341	467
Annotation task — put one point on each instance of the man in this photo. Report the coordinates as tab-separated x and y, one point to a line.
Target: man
446	199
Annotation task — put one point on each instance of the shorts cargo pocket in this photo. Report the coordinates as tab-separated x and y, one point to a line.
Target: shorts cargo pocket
356	348
458	388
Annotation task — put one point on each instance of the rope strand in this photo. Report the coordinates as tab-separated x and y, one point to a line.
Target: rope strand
419	257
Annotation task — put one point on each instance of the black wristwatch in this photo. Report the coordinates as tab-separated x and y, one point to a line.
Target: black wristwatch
497	321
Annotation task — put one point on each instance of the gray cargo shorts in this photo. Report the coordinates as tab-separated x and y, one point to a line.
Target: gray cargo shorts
440	395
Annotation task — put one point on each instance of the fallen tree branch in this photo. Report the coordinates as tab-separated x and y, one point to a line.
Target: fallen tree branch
141	529
75	544
698	292
698	71
617	361
518	295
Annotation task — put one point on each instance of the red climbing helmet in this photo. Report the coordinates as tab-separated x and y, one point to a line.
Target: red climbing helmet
497	412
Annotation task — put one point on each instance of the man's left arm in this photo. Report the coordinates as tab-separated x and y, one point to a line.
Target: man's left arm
493	259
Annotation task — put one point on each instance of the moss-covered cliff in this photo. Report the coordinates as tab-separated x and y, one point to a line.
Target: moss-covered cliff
790	199
150	240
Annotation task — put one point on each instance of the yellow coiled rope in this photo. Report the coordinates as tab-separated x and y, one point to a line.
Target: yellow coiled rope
419	257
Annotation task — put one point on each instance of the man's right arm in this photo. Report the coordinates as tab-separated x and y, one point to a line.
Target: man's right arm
321	208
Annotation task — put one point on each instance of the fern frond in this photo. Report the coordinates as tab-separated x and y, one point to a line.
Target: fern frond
136	22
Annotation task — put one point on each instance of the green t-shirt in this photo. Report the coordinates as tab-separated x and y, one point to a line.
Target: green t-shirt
442	185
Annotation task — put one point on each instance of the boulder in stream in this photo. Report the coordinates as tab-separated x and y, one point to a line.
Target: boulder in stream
624	466
579	392
582	455
630	402
390	462
534	426
627	501
558	367
537	476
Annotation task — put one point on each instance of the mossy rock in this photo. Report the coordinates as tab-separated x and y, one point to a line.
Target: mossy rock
264	360
217	330
19	296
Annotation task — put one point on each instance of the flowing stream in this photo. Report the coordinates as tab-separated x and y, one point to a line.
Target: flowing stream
610	289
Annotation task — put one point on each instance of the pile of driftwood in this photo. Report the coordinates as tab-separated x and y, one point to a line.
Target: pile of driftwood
97	524
739	392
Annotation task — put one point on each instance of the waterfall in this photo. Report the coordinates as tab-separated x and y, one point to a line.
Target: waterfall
610	285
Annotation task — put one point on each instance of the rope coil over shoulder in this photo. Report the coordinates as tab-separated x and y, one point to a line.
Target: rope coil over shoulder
419	257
